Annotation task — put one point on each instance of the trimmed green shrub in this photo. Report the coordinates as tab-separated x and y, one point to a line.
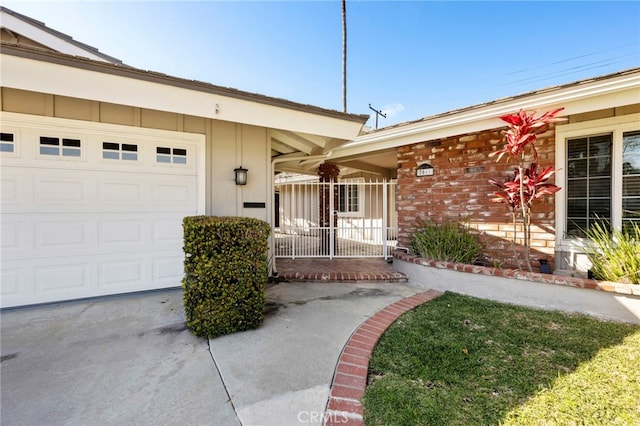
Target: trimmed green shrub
225	269
614	255
448	241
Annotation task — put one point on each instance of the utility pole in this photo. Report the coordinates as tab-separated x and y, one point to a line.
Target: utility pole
344	55
377	114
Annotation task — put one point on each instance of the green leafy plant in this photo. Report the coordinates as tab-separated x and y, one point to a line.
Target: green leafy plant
614	255
225	274
448	241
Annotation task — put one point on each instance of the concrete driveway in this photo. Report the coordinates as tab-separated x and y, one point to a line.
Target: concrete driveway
130	360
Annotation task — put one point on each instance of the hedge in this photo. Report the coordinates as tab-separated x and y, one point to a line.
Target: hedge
225	271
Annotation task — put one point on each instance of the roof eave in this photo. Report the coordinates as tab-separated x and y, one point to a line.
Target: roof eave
485	116
164	79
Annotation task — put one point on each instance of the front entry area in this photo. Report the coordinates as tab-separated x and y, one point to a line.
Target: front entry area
351	218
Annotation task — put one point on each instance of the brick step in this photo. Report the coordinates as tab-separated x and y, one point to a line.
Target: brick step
373	277
374	270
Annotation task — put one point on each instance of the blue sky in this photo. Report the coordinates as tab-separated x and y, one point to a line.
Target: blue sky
409	59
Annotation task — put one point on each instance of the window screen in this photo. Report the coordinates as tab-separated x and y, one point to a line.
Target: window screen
588	182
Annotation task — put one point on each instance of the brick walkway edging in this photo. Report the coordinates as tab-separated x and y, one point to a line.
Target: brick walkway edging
350	377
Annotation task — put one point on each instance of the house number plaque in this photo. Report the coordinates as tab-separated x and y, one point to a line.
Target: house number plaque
424	170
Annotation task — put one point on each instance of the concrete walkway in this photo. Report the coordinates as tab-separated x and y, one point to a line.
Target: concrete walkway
130	360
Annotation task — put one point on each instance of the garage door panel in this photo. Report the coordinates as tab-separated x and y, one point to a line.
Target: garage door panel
12	235
73	191
9	188
105	221
62	277
119	193
122	273
168	268
119	232
62	189
167	231
174	194
58	235
52	279
13	281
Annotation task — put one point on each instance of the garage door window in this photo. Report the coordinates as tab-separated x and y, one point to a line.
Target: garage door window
7	142
117	151
171	155
60	147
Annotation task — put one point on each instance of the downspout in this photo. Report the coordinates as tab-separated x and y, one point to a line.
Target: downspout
274	270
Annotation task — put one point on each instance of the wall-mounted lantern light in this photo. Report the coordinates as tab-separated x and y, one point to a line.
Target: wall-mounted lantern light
241	175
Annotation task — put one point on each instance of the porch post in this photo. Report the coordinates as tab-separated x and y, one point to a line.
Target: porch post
328	198
385	218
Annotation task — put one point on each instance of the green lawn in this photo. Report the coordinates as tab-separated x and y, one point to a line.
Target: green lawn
458	360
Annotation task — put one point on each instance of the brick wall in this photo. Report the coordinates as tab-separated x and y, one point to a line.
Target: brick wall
459	190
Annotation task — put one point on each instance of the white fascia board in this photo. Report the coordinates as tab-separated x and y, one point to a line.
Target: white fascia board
45	38
39	76
624	90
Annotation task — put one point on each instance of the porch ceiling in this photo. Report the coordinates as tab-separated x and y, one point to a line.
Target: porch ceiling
302	153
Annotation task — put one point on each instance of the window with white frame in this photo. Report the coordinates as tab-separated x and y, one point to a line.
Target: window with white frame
350	196
119	151
7	142
60	147
630	178
171	155
599	171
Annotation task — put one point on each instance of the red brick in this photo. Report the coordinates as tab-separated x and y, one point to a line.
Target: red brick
340	420
361	345
385	316
361	332
356	352
356	360
384	325
346	392
348	405
395	311
354	381
351	369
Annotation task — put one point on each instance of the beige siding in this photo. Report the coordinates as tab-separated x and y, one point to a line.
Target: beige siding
604	113
74	108
159	120
118	114
25	102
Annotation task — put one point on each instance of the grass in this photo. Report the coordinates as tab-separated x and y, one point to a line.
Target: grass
458	360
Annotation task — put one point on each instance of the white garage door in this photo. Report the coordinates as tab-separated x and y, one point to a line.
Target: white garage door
91	209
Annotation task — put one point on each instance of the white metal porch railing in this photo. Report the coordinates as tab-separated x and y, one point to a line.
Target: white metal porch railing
345	219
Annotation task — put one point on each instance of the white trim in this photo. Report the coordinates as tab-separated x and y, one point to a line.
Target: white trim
359	184
614	125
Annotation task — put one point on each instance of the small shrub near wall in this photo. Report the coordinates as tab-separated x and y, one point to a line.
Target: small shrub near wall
448	241
225	270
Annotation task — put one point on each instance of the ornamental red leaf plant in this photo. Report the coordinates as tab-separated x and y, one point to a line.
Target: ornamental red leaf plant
529	183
